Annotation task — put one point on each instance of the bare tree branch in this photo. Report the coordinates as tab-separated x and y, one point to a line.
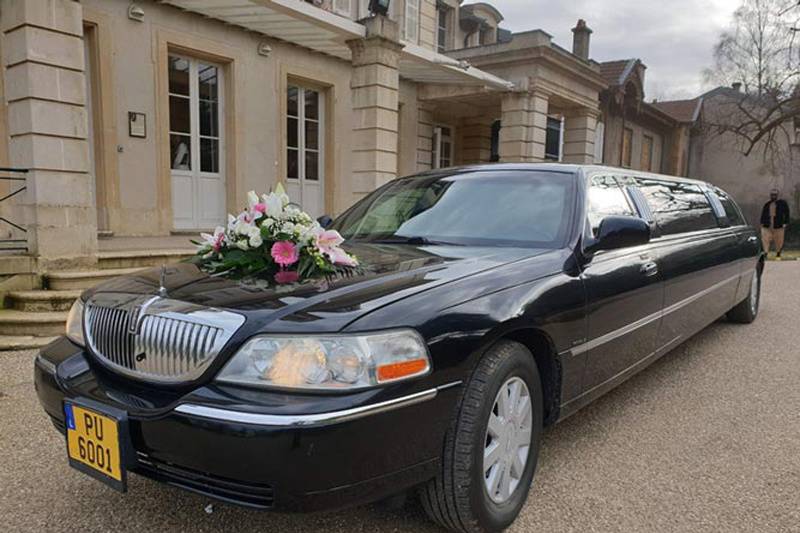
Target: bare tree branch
759	51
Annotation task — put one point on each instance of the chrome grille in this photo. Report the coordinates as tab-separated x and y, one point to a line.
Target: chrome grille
154	338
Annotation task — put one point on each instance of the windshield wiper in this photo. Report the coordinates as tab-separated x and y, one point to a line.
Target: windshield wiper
413	240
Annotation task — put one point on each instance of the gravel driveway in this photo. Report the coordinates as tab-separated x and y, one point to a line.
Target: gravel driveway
706	439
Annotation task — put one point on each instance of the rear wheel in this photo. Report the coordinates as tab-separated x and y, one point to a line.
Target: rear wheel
491	449
746	311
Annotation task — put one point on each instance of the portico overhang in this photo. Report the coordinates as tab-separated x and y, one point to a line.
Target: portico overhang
322	31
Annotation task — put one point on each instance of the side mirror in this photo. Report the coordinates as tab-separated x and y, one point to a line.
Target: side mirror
325	221
619	232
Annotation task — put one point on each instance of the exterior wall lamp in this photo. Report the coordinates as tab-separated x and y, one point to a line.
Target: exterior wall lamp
379	7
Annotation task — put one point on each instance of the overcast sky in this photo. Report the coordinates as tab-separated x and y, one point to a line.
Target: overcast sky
674	38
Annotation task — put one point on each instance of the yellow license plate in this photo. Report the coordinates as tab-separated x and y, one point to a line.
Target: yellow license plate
93	443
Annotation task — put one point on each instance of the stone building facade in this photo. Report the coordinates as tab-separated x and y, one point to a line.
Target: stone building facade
720	159
150	118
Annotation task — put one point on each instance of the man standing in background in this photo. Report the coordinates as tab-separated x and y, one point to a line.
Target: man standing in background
774	217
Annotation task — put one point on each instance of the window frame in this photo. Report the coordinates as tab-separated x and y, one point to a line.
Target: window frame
599	142
195	135
302	147
411	6
438	140
443	16
560	156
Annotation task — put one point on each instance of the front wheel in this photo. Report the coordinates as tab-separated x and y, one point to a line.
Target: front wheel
491	449
746	311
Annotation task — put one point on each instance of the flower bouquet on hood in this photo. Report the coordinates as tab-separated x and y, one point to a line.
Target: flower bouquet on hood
275	239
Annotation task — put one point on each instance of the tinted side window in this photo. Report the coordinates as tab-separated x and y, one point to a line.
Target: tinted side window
606	198
678	207
731	209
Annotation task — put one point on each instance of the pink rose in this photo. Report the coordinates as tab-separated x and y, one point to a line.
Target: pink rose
286	276
284	253
260	208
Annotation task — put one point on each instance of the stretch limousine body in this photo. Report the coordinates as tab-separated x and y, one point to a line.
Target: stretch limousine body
504	297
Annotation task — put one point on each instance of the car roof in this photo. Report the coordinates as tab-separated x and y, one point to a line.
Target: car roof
563	168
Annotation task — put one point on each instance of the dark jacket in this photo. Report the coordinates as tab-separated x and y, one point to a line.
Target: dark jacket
781	214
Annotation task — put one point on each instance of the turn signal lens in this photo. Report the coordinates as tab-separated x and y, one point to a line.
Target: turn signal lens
328	362
405	369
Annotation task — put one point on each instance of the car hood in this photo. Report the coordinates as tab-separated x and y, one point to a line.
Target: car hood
387	273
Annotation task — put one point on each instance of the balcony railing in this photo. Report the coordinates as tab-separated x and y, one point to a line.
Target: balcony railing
14	183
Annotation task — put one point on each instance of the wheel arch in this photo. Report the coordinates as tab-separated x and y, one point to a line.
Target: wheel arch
544	354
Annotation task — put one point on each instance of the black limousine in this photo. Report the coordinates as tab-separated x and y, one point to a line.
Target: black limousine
517	293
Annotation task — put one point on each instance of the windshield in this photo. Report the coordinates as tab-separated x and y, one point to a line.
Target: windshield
497	208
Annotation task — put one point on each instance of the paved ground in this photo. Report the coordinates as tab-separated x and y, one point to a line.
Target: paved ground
707	439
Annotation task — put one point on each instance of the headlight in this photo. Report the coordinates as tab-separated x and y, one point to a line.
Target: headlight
75	323
328	362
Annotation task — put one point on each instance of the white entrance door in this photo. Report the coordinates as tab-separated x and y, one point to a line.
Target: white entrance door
305	155
196	143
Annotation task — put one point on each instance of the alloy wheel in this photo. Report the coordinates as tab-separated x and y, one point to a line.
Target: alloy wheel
508	440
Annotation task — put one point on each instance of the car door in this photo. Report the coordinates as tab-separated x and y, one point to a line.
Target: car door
694	250
746	248
624	293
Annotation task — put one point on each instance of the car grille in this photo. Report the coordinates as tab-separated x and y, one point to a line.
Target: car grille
258	495
154	338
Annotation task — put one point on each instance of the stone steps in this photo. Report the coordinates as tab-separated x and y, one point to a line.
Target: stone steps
34	324
25	342
62	281
34	318
42	300
141	259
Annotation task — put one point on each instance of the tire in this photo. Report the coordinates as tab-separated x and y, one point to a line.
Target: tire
746	311
458	498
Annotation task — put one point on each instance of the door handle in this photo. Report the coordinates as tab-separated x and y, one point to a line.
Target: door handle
752	238
649	269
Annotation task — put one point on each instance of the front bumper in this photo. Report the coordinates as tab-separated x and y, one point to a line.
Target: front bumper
264	449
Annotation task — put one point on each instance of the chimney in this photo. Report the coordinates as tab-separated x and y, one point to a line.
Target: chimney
737	86
580	40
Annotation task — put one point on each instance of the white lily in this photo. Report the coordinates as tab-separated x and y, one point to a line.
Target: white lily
252	199
274	204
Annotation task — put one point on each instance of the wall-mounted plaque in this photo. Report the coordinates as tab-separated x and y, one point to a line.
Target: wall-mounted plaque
137	124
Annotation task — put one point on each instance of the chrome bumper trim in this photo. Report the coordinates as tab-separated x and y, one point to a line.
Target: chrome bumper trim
311	420
45	365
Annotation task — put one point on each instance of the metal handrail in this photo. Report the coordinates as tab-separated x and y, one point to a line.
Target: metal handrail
20	245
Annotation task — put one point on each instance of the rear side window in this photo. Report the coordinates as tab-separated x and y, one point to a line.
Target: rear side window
606	198
732	211
678	207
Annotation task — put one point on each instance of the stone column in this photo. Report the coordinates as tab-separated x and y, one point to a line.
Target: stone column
375	84
579	129
524	127
475	134
47	125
